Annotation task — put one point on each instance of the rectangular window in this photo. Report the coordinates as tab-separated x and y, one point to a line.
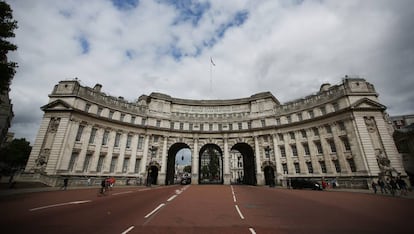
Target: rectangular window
125	165
263	122
143	121
341	125
337	166
181	126
331	143
128	143
345	141
310	168
351	163
100	163
294	150
105	137
230	126
133	119
111	114
318	147
136	168
240	126
113	164
190	126
171	125
220	127
79	134
292	135
328	129
323	166
297	168
280	136
158	123
306	148
86	162
249	124
282	151
72	161
93	135
300	118
202	127
156	137
289	119
122	117
315	131
311	114
335	106
99	112
285	168
303	132
117	138
87	107
278	121
323	110
140	142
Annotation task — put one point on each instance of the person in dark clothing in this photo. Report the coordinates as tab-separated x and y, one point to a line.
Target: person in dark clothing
374	186
382	186
393	186
402	185
65	184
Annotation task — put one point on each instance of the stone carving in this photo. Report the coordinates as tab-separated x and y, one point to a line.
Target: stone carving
41	161
54	124
370	122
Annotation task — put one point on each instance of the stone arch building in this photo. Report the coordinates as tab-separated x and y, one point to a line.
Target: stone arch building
339	132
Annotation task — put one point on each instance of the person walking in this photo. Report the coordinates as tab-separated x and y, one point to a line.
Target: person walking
402	185
65	184
393	186
381	184
374	186
103	187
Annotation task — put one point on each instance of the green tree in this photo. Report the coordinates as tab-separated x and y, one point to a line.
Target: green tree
187	169
7	27
14	155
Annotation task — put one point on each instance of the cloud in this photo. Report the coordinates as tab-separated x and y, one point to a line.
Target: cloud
138	47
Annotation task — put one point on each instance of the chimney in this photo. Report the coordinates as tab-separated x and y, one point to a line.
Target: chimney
97	87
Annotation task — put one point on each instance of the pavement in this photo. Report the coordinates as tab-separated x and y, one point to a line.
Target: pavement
23	188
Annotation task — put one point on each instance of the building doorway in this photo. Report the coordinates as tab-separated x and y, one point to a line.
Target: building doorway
210	165
152	175
249	171
269	174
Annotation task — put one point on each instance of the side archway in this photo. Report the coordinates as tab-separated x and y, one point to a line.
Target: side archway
249	171
171	159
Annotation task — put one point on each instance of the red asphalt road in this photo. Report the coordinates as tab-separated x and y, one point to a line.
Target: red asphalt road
205	209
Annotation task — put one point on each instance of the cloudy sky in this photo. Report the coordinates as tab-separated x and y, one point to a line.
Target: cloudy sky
135	47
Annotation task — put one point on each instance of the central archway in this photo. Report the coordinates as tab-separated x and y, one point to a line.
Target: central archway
210	165
171	162
249	171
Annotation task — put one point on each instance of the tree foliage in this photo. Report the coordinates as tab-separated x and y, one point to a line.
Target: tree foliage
7	27
187	169
14	155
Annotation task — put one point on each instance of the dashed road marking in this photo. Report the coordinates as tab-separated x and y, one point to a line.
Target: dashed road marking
155	210
238	210
122	193
171	198
60	204
252	230
232	192
128	230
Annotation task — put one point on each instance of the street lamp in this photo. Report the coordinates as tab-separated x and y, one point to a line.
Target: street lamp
269	171
153	150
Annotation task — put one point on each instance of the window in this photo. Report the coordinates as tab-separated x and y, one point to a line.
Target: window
303	132
341	125
191	126
311	114
129	139
105	137
280	136
306	148
331	143
289	119
319	147
220	126
158	124
92	137
323	166
136	168
249	124
351	164
100	163
292	135
143	121
99	112
315	131
285	168
117	138
125	165
310	168
294	150
86	162
181	126
337	166
210	127
140	142
240	126
278	121
201	127
297	168
263	123
230	126
133	119
87	107
111	114
156	139
72	161
282	151
335	106
323	110
345	141
122	117
300	118
328	129
171	125
79	134
113	164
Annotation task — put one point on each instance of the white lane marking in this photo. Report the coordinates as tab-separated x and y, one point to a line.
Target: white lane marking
155	210
143	189
122	193
232	192
129	229
238	210
252	230
60	204
172	197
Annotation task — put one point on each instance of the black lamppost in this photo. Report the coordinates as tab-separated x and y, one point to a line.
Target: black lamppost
270	172
153	150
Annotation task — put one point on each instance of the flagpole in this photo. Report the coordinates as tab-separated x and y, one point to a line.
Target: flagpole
211	80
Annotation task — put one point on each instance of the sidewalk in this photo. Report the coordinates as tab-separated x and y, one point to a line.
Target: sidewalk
410	194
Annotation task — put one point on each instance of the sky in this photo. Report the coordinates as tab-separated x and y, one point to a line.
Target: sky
135	47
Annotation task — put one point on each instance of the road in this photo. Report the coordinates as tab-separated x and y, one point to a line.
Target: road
204	209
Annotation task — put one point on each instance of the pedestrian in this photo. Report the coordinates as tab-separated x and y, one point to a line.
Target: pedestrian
65	184
374	186
89	181
393	186
382	186
103	186
402	185
324	184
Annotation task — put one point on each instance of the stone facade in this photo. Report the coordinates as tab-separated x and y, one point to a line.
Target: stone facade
339	132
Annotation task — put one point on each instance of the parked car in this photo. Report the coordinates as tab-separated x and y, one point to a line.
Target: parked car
305	184
186	180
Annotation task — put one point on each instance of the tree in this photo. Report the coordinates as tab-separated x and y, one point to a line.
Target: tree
187	169
14	155
7	27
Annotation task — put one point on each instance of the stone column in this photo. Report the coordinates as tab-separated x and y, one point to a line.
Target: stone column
259	173
134	145
121	157
227	175
71	127
40	138
110	145
97	153
194	167
144	160
85	142
161	176
279	169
